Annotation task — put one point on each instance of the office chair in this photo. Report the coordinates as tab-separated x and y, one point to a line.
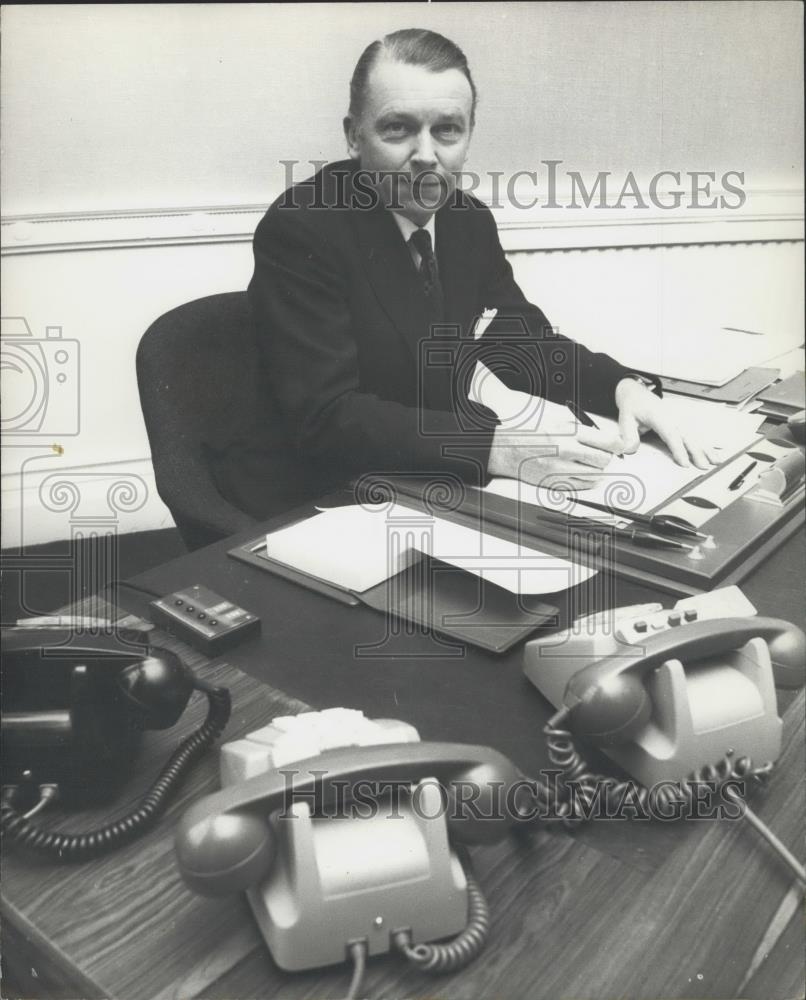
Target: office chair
199	379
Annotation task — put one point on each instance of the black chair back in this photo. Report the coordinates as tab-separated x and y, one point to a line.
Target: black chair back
209	416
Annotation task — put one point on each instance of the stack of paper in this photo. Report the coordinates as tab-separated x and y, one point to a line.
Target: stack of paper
358	547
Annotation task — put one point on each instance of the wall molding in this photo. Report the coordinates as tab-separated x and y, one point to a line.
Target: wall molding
46	502
765	215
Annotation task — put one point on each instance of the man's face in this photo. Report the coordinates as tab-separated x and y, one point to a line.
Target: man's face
415	126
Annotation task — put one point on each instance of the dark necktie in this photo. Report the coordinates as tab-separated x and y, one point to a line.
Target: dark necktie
421	241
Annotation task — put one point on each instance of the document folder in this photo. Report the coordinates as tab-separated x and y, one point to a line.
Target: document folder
431	595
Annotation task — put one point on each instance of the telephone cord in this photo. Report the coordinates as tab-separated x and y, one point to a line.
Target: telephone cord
94	843
564	754
358	953
460	951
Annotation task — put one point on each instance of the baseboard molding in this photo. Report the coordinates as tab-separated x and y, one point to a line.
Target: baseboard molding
46	503
765	215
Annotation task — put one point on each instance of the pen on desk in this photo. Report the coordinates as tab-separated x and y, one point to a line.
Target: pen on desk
585	419
663	523
737	482
639	536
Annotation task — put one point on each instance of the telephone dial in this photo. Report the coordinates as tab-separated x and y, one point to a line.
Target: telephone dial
331	866
75	706
672	696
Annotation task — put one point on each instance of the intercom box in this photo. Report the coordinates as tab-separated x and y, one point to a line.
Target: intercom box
205	620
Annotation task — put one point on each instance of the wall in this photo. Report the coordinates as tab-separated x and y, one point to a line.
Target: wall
123	125
108	107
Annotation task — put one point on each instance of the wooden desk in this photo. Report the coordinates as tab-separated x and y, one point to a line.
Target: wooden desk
692	909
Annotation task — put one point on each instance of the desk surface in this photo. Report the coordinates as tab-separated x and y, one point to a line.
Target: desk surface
697	909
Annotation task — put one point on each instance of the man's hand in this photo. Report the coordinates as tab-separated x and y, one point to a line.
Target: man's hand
559	448
640	409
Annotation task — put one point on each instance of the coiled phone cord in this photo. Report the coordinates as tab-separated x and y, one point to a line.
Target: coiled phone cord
564	754
461	950
439	957
93	843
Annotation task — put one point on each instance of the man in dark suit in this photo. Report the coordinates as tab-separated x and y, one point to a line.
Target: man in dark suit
368	280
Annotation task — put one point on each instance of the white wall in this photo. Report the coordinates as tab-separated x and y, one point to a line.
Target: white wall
113	113
108	107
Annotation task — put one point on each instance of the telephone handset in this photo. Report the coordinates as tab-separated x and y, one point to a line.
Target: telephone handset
225	842
75	707
669	692
344	832
608	701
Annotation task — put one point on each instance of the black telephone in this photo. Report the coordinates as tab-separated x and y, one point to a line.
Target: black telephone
332	867
75	707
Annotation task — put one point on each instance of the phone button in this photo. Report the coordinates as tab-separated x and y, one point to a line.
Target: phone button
640	627
690	615
674	620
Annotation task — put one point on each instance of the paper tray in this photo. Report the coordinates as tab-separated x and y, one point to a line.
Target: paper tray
432	595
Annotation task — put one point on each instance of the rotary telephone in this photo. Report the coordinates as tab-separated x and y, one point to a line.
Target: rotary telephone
334	864
75	707
675	697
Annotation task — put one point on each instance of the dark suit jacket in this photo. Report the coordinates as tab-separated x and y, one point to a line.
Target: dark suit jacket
361	381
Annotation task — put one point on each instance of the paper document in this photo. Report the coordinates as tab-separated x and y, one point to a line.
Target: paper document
639	481
358	547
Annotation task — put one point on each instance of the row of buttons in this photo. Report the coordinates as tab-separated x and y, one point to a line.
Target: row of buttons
190	610
673	619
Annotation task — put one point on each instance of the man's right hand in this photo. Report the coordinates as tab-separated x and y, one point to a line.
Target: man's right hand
570	454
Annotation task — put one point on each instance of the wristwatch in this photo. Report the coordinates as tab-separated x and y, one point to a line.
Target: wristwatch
653	383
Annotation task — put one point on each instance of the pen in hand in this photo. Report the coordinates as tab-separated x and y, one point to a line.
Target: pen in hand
585	419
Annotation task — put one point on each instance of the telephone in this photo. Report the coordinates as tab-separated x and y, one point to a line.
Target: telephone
75	706
666	693
333	864
676	698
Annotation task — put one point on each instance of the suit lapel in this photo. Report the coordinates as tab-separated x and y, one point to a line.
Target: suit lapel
392	274
455	261
398	288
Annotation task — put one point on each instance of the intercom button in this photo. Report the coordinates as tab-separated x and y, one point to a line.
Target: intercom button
190	609
674	619
179	602
201	616
640	627
690	615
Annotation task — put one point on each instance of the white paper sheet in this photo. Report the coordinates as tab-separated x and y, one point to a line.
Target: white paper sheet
638	482
358	547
